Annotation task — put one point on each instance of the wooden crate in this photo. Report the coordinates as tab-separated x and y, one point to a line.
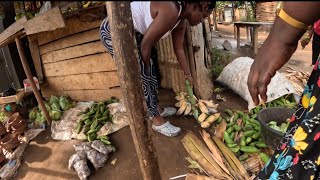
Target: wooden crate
14	98
75	62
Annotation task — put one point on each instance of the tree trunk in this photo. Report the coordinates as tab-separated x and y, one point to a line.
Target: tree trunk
247	10
215	19
253	9
233	14
126	57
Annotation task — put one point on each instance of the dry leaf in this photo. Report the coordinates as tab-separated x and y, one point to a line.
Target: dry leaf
113	162
220	129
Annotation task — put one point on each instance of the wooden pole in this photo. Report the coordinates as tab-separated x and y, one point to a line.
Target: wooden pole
215	19
30	78
126	57
248	15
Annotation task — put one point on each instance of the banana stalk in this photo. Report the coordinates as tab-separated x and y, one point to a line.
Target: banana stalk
232	160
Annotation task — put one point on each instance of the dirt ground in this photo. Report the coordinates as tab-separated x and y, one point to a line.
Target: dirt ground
47	159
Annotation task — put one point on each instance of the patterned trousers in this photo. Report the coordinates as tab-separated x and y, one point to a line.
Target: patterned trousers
149	79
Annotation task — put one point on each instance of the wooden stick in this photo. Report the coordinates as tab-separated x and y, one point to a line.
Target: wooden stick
30	78
125	54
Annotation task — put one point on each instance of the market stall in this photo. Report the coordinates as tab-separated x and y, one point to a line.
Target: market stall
81	86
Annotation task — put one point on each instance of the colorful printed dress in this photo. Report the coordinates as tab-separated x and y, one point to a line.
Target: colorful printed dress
298	154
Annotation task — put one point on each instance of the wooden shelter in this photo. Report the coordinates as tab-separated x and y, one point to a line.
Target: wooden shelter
266	11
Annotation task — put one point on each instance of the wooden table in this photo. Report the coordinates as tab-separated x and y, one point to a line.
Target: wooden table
254	34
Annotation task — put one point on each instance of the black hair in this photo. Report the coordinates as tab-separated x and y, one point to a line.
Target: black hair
211	4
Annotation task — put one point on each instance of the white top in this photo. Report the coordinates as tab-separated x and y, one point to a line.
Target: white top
141	15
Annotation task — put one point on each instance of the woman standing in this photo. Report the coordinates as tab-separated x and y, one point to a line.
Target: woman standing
153	21
298	154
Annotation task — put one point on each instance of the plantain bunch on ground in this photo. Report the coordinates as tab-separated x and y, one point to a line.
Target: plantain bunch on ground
188	104
93	119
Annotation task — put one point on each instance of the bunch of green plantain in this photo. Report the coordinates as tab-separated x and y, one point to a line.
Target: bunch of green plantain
245	137
93	119
284	101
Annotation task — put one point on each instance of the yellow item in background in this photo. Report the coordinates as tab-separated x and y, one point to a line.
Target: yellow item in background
293	22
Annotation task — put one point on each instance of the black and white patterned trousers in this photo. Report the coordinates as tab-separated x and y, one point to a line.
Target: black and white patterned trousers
149	81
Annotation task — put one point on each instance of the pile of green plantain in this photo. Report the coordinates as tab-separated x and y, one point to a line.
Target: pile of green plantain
242	129
94	118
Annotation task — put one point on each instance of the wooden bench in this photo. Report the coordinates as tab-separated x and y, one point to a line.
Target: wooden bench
254	34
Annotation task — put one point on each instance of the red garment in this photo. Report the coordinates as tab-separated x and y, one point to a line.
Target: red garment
316	27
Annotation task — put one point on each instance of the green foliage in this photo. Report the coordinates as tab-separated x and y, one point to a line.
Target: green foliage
219	59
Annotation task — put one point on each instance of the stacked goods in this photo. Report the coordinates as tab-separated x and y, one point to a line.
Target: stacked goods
95	153
188	104
216	160
94	118
56	106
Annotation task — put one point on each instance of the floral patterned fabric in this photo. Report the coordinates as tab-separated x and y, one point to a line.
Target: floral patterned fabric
298	154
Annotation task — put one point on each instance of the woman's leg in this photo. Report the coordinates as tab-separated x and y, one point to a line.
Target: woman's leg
149	84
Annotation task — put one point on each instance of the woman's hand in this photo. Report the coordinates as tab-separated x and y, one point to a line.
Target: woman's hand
190	79
271	57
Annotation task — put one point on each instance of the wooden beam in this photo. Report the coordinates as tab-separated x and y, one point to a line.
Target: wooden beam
255	40
204	83
30	78
238	37
12	29
47	21
35	54
122	34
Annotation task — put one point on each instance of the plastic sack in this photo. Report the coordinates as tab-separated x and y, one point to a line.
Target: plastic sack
102	148
117	107
64	129
235	76
119	121
82	169
45	7
96	158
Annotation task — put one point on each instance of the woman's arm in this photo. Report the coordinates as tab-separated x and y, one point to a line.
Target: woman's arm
279	46
178	39
164	21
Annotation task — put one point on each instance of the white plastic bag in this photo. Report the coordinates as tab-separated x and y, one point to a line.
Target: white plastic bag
235	76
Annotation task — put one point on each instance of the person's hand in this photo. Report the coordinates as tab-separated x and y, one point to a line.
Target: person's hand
270	58
190	79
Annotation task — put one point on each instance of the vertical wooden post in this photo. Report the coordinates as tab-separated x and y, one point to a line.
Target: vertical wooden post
126	57
248	15
238	37
255	40
30	78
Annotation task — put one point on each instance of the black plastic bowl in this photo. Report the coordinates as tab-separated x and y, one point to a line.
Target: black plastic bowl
270	136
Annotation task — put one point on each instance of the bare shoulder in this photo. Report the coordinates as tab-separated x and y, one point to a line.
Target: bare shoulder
167	7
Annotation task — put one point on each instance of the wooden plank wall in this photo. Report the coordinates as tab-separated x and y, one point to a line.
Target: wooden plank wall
170	69
75	62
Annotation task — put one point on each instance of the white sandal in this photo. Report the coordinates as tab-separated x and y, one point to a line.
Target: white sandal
167	129
168	111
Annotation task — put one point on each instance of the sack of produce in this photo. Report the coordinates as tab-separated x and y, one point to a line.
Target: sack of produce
85	146
102	148
82	169
96	158
235	76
